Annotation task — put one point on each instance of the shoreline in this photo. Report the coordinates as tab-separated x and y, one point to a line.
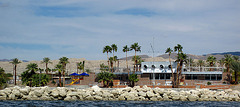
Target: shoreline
119	94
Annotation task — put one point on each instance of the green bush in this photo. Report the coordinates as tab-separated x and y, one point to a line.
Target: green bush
209	83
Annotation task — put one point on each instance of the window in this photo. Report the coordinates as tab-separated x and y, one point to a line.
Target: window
195	76
188	77
213	77
207	77
157	76
168	76
219	77
162	76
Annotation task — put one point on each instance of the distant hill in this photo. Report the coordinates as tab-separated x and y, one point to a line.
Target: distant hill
8	60
202	57
130	57
232	53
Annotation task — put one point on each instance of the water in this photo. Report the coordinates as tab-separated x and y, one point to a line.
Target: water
117	104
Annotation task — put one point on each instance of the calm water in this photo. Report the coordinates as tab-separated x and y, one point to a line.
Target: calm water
116	104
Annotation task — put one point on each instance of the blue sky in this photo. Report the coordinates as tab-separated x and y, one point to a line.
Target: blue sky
33	29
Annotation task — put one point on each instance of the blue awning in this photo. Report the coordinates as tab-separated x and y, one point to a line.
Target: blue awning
84	74
74	74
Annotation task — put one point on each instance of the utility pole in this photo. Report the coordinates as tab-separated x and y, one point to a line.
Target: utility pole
152	46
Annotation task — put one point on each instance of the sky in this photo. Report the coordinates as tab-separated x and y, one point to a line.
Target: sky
34	29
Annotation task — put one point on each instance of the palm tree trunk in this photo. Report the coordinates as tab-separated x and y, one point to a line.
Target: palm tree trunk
15	68
173	83
135	62
127	65
113	60
108	63
46	68
64	67
60	84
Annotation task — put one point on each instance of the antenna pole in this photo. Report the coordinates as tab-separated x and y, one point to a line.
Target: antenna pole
152	46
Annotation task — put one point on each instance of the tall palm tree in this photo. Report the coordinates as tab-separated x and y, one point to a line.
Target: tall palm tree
114	49
15	62
169	51
47	61
181	58
115	59
126	49
59	68
64	61
111	59
235	65
200	63
227	61
178	48
107	49
136	48
211	60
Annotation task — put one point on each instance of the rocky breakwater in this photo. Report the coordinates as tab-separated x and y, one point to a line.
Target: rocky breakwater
135	94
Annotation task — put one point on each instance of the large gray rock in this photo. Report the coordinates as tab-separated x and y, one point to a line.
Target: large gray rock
3	96
62	92
17	93
7	91
150	94
25	91
193	97
143	94
96	88
55	93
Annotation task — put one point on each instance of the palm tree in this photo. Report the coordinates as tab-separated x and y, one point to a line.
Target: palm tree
235	65
236	58
46	60
105	77
136	48
103	67
15	61
27	76
107	49
133	78
59	68
178	48
114	49
64	61
211	60
111	59
80	66
169	51
126	49
115	59
200	63
3	77
138	60
221	62
181	58
227	61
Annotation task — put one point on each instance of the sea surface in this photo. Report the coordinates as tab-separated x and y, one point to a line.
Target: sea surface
117	104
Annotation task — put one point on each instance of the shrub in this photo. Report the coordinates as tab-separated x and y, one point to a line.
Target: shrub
209	83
